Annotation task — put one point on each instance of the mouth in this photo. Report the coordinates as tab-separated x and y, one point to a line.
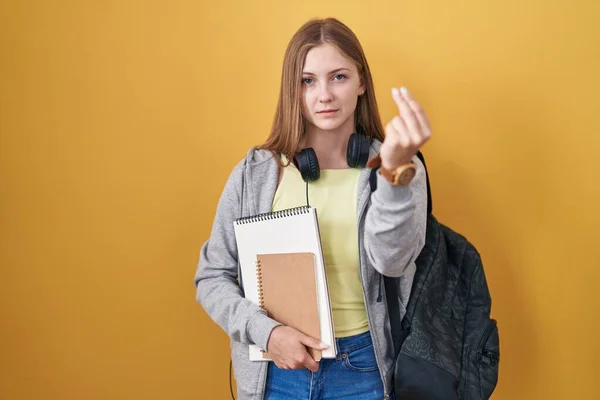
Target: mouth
327	112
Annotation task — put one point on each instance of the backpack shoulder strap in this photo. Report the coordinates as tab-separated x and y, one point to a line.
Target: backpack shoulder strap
399	332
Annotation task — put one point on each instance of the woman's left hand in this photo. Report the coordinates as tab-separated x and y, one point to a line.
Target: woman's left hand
405	133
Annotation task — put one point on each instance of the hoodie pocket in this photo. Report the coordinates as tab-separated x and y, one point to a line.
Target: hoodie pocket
482	364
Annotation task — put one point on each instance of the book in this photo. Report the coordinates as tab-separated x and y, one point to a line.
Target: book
294	230
287	290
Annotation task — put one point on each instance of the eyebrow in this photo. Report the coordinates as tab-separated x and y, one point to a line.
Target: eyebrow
330	72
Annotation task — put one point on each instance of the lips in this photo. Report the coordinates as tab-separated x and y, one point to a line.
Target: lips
327	112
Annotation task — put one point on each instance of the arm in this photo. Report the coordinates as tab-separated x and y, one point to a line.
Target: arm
395	223
397	219
217	288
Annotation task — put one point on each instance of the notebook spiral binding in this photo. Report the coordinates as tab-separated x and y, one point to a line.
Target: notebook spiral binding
273	215
261	300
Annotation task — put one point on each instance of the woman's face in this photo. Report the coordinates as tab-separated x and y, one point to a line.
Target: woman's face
330	89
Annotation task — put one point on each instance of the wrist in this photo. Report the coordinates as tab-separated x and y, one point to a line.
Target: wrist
392	165
260	328
398	175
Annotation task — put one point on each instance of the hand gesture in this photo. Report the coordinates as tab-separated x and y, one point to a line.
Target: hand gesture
406	132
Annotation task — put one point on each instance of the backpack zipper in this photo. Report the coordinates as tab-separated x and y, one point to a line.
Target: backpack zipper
492	355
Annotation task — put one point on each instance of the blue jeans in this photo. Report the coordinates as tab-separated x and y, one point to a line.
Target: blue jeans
352	375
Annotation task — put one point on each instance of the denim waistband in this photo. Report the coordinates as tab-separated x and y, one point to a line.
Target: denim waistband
351	343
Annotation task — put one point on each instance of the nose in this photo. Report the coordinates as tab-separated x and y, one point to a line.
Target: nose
325	94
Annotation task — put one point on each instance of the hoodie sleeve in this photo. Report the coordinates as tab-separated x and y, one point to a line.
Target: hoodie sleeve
395	223
216	278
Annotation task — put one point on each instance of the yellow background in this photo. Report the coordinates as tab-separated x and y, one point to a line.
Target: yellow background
120	121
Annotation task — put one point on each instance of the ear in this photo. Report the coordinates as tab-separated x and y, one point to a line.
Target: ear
362	88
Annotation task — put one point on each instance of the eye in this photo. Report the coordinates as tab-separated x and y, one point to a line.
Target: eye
307	81
340	77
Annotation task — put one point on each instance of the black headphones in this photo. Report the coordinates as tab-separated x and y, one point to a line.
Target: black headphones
357	155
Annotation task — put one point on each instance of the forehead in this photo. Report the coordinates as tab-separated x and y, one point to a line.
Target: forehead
325	58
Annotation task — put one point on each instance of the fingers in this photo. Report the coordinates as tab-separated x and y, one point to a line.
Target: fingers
400	131
307	360
309	363
413	121
293	351
398	99
312	342
418	112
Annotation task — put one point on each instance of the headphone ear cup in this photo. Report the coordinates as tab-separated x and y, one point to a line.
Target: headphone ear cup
308	165
359	146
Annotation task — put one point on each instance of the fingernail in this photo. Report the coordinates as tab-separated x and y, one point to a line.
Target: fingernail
323	346
404	90
395	91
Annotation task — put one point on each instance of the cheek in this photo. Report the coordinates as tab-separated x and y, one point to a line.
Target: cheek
308	96
306	103
350	98
311	97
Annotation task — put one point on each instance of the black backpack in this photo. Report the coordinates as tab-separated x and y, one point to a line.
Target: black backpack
446	346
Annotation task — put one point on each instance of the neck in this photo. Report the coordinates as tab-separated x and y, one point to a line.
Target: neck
329	145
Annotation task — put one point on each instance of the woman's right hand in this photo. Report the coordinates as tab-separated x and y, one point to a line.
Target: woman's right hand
287	349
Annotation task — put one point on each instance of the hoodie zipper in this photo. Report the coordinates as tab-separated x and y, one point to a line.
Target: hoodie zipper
362	265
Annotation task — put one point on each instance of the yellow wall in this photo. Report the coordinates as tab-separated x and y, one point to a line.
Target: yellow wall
121	120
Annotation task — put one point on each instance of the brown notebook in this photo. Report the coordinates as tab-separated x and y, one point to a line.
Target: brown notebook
287	290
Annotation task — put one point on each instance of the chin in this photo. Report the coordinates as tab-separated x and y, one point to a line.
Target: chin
328	125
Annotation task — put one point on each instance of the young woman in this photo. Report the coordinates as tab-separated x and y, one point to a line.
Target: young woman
326	95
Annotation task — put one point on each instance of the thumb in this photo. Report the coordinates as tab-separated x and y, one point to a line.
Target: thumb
312	342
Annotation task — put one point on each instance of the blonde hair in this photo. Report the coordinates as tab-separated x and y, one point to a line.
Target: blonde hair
289	126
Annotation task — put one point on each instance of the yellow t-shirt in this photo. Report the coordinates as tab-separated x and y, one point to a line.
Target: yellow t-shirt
334	197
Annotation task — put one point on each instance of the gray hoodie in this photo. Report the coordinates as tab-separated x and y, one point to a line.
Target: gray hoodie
391	223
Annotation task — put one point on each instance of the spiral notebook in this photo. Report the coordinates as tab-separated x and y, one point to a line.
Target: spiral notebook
287	290
293	230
